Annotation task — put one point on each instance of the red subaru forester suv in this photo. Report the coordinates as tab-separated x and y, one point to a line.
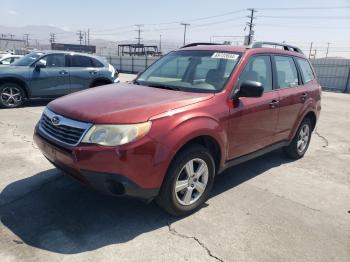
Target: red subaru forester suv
186	118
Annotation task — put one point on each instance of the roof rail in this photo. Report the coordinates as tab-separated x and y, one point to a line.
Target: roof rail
200	43
285	46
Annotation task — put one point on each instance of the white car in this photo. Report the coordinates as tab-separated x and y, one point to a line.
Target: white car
9	59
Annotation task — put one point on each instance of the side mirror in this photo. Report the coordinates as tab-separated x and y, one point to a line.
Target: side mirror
249	88
39	65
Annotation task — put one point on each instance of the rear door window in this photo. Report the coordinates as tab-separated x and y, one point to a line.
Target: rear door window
308	74
287	74
81	61
96	63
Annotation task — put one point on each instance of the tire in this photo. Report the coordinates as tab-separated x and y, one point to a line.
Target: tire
194	190
300	143
11	95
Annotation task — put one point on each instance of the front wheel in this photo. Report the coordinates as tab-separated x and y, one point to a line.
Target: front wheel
11	95
188	182
300	143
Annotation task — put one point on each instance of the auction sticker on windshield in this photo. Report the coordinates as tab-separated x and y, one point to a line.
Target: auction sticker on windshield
225	56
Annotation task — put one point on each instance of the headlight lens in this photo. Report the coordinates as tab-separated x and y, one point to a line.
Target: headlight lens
114	135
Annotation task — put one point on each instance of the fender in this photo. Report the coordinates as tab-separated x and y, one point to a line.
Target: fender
17	79
309	106
175	134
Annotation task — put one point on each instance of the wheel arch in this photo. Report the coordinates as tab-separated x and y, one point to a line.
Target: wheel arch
308	114
101	80
17	81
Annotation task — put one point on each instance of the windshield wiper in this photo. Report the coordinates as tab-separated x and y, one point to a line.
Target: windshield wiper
157	85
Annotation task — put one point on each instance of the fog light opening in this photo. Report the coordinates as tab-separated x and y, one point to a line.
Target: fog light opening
115	188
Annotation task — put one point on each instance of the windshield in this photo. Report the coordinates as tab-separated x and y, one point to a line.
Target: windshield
27	59
194	71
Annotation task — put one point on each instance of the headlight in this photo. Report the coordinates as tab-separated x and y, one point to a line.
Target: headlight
113	135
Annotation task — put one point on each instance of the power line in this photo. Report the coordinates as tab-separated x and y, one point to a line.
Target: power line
304	17
304	8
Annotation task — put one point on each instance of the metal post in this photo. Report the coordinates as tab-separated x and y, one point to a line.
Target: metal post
347	83
310	50
132	64
185	29
120	64
327	50
146	62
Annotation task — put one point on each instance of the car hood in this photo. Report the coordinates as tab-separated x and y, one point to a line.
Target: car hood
7	69
122	103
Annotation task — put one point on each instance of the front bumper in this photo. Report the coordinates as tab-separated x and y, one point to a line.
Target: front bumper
135	170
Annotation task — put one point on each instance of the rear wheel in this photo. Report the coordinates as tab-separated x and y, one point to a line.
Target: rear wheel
188	182
11	95
300	143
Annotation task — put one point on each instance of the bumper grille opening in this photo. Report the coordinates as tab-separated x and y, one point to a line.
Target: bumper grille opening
115	188
67	131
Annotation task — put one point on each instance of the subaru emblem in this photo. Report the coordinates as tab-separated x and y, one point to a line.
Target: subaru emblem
55	120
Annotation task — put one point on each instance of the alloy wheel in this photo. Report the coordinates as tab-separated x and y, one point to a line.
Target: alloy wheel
191	181
303	138
11	96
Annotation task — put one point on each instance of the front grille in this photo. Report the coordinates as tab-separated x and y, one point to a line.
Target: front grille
66	130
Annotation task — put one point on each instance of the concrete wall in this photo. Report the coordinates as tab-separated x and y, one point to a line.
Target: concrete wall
131	64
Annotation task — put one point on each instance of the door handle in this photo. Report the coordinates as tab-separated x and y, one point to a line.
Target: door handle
63	72
93	72
304	96
274	104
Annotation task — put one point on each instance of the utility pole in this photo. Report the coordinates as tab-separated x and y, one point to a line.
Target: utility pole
52	38
26	38
251	25
327	49
85	38
160	43
88	36
80	36
310	49
185	29
138	33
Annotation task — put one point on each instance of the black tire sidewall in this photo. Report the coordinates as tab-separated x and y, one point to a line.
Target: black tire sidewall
168	199
292	149
5	85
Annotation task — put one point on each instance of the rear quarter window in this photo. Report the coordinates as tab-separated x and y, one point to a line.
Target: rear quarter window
96	63
306	70
81	61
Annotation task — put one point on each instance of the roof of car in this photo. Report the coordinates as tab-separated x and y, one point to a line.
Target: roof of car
100	58
242	49
62	52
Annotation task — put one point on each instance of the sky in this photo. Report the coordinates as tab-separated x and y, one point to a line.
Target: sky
209	20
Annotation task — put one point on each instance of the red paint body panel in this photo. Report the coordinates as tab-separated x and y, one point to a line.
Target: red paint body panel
122	103
239	127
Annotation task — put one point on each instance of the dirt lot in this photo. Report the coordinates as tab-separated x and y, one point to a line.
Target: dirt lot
268	209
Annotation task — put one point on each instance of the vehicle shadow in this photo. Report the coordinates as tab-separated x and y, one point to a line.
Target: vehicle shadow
38	102
62	216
